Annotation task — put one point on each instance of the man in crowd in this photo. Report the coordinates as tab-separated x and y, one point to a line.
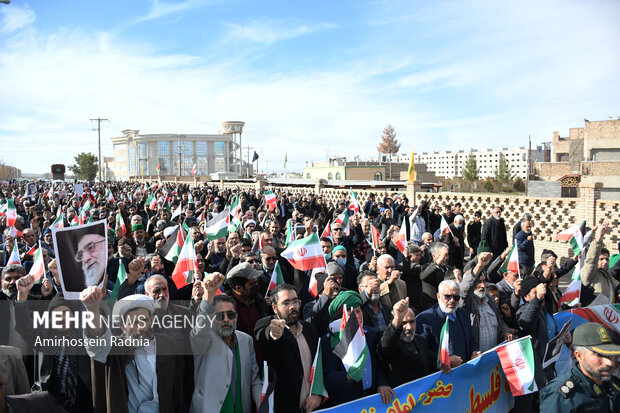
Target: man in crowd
474	230
392	288
494	232
595	271
376	314
433	274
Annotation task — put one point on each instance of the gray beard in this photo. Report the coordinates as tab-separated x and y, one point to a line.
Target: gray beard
480	294
447	310
407	339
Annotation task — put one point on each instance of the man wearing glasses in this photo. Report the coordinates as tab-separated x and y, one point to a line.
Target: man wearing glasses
289	346
462	344
225	363
92	254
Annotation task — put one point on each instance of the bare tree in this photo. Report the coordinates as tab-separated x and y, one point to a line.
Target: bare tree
389	145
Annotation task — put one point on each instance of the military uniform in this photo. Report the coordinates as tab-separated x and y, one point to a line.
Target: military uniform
575	393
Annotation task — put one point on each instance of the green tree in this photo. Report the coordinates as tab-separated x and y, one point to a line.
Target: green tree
389	145
470	169
85	167
503	172
519	185
488	185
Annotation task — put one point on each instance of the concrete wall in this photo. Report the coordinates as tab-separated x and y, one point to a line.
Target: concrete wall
544	188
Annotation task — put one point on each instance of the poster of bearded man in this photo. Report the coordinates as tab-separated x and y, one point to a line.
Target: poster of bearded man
82	257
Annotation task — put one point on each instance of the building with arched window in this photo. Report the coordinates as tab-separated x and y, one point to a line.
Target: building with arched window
339	169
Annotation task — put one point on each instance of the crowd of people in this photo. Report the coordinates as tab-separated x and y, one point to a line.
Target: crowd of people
451	268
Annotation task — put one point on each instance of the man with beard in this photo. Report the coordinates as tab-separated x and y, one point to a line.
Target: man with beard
393	289
376	315
289	346
590	385
494	232
226	371
92	254
463	345
316	311
63	373
434	273
403	354
140	372
142	246
487	323
8	336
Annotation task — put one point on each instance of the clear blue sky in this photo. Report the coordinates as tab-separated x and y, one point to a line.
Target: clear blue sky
306	77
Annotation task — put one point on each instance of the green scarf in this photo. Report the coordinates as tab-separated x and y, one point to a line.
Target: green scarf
228	406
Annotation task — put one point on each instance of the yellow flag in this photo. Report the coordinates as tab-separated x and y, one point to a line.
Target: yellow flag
411	171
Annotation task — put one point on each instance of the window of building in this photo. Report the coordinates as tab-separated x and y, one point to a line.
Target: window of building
201	148
308	175
162	149
164	164
201	164
188	165
188	148
338	176
220	164
219	148
132	160
143	166
330	176
142	149
378	176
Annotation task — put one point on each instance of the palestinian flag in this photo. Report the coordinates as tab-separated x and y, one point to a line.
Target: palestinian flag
151	201
276	278
512	262
217	227
121	275
76	221
235	221
352	349
574	236
269	385
158	169
517	358
343	219
443	356
173	246
354	205
109	196
317	386
38	267
121	228
400	239
235	207
571	295
290	235
13	232
411	170
313	287
11	213
374	237
32	250
177	212
14	258
270	200
58	222
327	232
186	268
577	270
306	253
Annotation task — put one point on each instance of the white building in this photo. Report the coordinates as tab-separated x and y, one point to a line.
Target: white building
176	154
451	163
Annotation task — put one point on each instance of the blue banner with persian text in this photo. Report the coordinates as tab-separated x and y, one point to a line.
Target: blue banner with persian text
475	387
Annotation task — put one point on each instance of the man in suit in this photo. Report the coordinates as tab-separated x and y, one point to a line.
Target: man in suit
393	289
463	345
433	274
494	232
403	354
376	314
225	363
289	346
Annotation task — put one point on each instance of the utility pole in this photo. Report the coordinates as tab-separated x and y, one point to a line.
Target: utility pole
179	146
99	120
248	157
529	163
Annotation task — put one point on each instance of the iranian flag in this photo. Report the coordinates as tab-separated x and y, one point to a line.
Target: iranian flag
343	219
121	275
58	222
14	258
517	358
13	232
306	253
270	200
317	386
50	193
512	262
186	268
327	232
571	295
194	170
289	233
217	227
444	228
266	394
374	237
574	236
443	356
190	198
11	213
174	245
121	228
109	196
276	278
32	250
235	207
400	239
354	205
158	169
313	287
38	267
352	348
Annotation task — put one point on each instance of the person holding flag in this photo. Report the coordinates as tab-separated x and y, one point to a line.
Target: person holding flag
350	362
595	272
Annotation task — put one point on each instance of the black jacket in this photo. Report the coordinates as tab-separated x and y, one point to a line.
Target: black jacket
494	233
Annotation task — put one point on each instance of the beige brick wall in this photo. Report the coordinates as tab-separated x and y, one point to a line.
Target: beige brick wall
551	170
601	168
